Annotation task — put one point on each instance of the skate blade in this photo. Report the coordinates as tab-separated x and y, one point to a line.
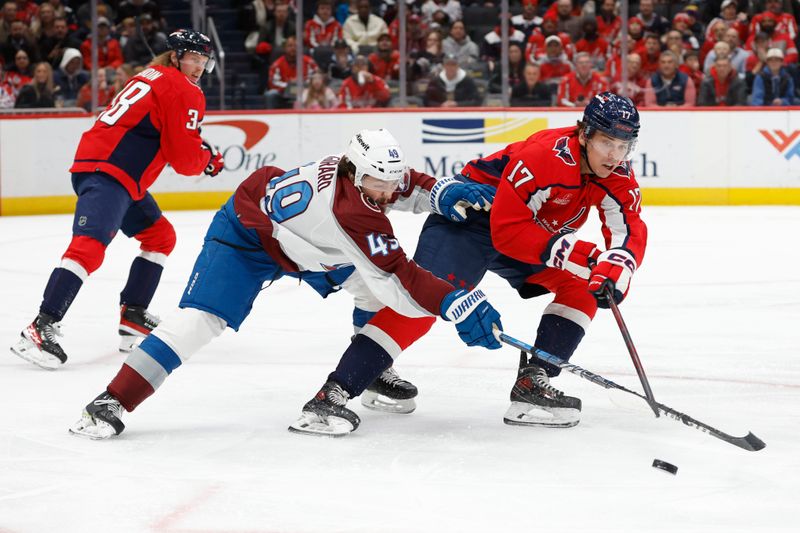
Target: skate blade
525	414
312	424
384	404
27	350
92	429
128	342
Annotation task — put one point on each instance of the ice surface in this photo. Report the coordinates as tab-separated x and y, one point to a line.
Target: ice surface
714	311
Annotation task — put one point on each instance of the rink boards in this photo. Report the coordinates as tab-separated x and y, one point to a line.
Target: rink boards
694	157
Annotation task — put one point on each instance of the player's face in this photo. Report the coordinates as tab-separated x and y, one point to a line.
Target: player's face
606	153
193	65
377	190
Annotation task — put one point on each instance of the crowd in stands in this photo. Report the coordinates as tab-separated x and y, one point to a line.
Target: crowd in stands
560	52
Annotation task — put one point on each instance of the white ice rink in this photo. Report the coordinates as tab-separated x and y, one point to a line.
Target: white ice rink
714	310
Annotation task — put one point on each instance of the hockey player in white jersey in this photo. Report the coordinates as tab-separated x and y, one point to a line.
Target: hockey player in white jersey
321	222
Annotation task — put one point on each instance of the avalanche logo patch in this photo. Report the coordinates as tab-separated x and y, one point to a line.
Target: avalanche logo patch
786	144
479	130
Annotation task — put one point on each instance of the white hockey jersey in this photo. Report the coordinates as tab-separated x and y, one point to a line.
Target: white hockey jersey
309	219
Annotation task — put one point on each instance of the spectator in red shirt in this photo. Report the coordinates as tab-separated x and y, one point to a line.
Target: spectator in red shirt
105	91
593	44
535	48
608	23
363	89
109	51
769	25
650	53
636	30
323	29
385	61
691	67
7	93
722	87
578	87
555	64
785	22
283	74
680	23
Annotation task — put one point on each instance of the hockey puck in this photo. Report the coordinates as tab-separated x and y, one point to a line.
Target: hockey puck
665	466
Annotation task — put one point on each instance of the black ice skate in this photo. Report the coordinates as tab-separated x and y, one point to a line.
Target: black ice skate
100	419
390	393
326	414
135	323
534	402
39	345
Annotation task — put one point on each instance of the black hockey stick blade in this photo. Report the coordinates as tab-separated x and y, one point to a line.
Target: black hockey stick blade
749	442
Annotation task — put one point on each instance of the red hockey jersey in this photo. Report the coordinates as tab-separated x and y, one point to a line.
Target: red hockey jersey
153	121
542	194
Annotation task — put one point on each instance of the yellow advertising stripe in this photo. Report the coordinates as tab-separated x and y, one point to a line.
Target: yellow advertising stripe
179	201
168	201
518	133
721	196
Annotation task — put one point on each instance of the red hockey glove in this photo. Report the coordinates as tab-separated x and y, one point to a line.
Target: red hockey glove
614	270
567	252
215	163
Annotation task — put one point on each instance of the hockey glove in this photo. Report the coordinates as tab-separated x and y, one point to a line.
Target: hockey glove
474	317
215	163
614	270
451	198
569	253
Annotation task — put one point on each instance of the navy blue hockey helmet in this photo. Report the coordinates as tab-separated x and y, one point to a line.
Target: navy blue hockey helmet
614	115
182	41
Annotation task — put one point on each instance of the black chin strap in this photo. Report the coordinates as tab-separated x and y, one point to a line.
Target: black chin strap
585	157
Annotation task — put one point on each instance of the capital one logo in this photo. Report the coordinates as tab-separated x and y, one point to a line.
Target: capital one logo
786	144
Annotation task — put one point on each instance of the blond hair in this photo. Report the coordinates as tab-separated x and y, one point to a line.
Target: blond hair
163	59
48	85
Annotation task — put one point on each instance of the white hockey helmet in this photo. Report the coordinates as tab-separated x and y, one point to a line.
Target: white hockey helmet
377	153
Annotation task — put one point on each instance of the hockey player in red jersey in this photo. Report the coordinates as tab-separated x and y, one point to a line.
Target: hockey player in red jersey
153	121
546	186
321	222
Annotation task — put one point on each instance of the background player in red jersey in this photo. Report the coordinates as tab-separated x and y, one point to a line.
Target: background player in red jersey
153	121
546	186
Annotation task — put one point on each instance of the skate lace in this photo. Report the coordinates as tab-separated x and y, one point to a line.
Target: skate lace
151	319
337	395
112	405
542	380
51	331
391	377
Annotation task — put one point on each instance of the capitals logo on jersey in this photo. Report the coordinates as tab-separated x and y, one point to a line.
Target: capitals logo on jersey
561	148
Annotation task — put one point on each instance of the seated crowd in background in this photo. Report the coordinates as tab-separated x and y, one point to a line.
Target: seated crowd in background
561	52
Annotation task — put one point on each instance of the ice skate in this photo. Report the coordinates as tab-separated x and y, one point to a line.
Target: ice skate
100	419
135	323
535	402
39	345
326	414
390	393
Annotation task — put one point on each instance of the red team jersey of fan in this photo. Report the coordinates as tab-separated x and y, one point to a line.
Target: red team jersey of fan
541	194
153	121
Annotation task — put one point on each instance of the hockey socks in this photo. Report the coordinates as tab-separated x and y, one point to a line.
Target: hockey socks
362	362
559	336
60	292
142	283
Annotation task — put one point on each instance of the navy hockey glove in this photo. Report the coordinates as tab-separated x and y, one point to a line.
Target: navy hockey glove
215	163
474	317
451	198
614	270
567	252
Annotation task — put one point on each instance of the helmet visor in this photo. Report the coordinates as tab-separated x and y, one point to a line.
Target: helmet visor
391	186
612	148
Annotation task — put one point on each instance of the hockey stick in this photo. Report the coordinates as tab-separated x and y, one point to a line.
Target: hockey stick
749	442
637	363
